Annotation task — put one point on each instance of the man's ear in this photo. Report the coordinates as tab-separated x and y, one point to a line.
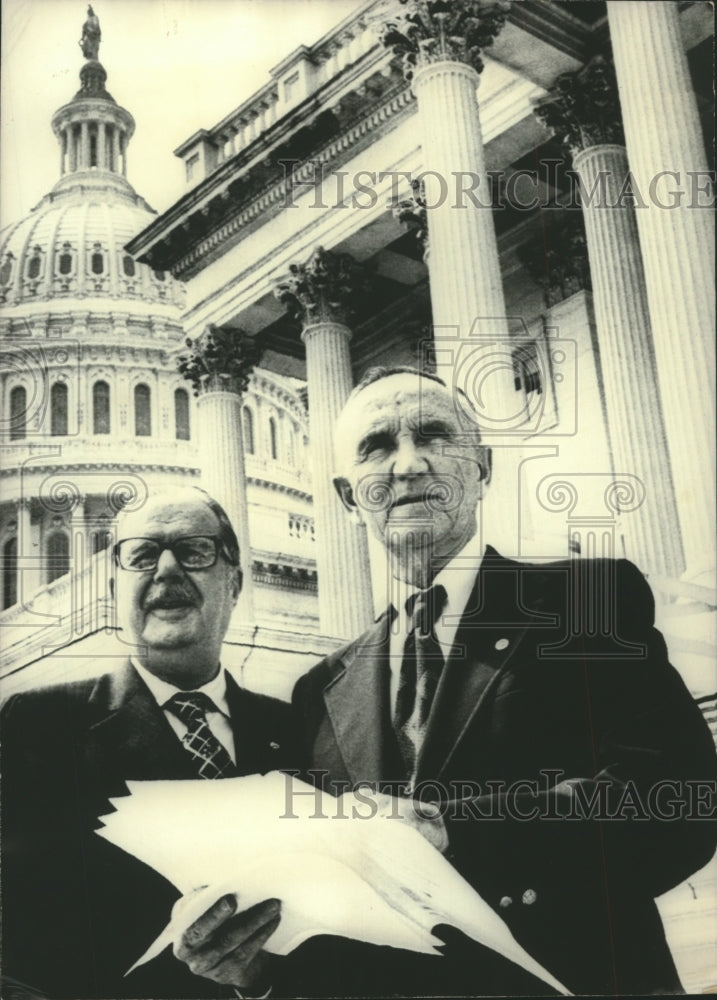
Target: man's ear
237	578
346	495
485	462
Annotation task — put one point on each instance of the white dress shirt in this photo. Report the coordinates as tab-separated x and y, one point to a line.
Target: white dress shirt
458	577
216	690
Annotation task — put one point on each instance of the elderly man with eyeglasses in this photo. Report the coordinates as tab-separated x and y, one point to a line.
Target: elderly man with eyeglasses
77	911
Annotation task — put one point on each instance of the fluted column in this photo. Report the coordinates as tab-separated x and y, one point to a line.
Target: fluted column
72	148
219	367
116	149
441	57
583	110
663	134
101	146
320	295
84	145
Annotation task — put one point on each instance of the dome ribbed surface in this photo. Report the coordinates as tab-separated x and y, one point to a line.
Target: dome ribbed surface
72	246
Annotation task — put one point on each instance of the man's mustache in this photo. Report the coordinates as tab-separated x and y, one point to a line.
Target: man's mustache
169	596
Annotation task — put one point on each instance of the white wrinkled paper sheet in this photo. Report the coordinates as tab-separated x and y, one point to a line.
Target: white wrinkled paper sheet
376	880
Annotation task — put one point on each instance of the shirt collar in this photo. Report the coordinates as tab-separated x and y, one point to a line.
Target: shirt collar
457	576
162	691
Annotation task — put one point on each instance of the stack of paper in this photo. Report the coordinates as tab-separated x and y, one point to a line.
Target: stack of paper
336	872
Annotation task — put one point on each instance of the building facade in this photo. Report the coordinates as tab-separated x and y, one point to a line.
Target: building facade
96	412
495	205
518	196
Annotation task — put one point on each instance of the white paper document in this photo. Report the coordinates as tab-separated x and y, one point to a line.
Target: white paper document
335	869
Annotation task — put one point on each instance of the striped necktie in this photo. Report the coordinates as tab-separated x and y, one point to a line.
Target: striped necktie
211	759
421	668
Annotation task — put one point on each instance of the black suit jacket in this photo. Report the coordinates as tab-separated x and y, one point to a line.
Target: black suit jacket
556	674
78	911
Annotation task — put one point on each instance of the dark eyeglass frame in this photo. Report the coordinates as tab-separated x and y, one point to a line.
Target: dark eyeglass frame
219	550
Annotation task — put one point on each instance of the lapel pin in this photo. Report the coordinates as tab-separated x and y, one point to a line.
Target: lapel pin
502	644
274	746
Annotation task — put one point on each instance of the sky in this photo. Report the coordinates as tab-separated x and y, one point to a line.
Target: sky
176	65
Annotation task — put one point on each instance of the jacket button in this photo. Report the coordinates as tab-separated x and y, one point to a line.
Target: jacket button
505	902
502	644
274	746
529	897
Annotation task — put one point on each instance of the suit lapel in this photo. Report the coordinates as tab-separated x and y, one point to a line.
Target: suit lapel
492	629
131	737
503	608
262	741
357	702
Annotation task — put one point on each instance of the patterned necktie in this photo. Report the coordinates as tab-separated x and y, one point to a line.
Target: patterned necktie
421	668
211	759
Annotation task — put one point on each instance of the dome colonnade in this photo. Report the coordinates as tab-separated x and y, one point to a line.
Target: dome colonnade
92	404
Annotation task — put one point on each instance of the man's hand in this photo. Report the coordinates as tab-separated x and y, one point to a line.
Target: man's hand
226	946
422	816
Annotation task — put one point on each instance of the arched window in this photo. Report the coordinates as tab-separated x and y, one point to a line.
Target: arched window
100	408
58	409
58	555
9	572
65	264
6	270
128	266
18	413
93	149
142	411
181	414
248	430
97	263
33	268
272	438
159	275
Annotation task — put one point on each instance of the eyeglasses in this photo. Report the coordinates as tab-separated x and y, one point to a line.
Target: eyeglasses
141	555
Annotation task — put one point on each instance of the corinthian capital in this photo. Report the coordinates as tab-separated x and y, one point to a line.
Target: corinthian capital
583	108
326	289
427	31
559	261
412	212
219	359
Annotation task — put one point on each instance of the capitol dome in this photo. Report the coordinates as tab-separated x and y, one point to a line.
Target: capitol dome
72	246
72	243
93	406
95	412
94	409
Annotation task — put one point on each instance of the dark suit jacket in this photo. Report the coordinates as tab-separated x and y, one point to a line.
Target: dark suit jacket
539	680
77	911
